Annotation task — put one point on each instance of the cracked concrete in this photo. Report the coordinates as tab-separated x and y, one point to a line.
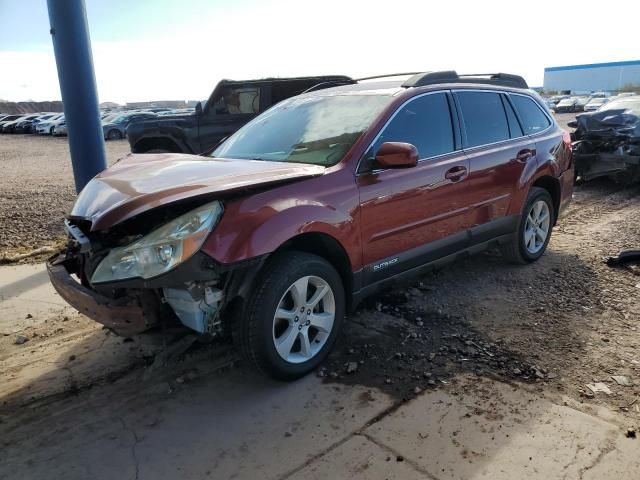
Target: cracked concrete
235	424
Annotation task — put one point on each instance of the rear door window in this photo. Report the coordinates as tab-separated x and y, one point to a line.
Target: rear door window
533	119
424	122
485	120
514	126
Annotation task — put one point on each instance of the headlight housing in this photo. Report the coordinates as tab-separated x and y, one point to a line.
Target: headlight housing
162	249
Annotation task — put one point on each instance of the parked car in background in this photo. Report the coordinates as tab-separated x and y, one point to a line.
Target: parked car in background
595	103
46	127
60	129
26	124
581	102
42	118
10	127
231	105
8	119
114	127
607	141
567	105
326	198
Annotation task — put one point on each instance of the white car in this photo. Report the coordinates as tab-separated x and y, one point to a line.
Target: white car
46	127
595	103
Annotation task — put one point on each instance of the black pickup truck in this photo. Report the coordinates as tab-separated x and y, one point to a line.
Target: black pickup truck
231	104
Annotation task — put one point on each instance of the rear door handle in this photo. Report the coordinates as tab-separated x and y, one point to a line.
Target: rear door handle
455	174
524	155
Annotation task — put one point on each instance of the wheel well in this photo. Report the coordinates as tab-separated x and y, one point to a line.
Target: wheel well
150	143
551	185
328	248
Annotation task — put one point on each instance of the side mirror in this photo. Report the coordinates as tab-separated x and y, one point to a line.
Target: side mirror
572	124
199	108
397	155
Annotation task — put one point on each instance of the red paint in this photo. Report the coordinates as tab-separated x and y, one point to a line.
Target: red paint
372	216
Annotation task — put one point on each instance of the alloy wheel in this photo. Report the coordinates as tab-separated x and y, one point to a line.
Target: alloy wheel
536	228
304	319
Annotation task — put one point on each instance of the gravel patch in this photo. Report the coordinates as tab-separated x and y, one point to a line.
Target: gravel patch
37	190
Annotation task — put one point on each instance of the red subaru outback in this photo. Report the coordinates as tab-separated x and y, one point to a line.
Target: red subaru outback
313	205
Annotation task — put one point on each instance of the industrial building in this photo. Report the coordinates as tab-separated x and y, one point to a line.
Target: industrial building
592	77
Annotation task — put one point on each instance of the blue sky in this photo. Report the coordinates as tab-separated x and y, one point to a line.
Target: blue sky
24	24
179	49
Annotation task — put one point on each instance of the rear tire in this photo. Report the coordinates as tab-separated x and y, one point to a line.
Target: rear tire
294	316
114	135
534	229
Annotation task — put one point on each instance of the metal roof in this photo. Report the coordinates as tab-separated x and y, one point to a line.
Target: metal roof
587	66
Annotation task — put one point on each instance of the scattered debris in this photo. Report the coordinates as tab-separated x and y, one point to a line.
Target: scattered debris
72	358
599	387
5	259
631	432
625	257
20	339
29	316
352	367
621	380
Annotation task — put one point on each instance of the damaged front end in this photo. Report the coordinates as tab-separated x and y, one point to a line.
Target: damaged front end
146	272
607	144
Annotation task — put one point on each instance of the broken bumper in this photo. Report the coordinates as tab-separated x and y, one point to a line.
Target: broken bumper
594	165
124	316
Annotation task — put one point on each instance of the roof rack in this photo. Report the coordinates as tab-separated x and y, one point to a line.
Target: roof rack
450	76
387	75
328	84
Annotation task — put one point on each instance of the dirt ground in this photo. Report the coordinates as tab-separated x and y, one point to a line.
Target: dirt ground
36	189
551	328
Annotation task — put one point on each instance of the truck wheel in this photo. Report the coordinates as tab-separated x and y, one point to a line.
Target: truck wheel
534	229
294	316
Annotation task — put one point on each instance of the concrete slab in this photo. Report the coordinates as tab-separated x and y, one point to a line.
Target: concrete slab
487	429
358	459
25	289
235	424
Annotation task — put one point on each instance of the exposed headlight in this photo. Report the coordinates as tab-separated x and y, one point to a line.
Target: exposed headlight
162	249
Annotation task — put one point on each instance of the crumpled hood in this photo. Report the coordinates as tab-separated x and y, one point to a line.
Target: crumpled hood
607	124
138	183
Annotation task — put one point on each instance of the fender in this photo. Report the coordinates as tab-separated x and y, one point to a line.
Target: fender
546	165
259	224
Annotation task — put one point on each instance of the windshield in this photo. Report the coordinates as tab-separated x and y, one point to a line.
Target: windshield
597	101
316	130
626	104
116	118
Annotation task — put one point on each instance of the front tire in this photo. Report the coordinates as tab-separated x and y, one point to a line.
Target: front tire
534	229
294	316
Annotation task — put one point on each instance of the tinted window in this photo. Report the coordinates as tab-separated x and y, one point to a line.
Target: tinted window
514	127
484	117
533	120
425	123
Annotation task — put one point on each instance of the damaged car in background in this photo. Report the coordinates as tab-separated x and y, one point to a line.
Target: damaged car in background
606	143
320	201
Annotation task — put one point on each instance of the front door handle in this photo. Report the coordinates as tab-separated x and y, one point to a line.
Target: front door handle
455	174
524	155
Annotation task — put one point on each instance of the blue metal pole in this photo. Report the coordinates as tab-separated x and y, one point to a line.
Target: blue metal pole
72	47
